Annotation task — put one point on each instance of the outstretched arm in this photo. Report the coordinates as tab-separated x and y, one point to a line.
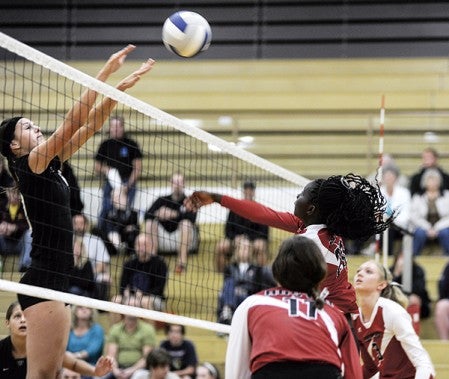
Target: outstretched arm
101	112
77	116
41	155
248	209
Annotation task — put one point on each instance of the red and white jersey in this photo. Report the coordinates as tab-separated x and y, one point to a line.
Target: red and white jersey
278	325
389	344
341	292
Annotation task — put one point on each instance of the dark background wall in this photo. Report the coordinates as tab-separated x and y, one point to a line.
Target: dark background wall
91	29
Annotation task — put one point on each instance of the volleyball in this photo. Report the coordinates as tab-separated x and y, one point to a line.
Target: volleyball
186	33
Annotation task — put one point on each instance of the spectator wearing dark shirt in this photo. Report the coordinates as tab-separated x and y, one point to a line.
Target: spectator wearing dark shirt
6	179
13	224
237	227
143	277
241	279
418	298
182	351
121	223
171	226
82	278
442	305
122	154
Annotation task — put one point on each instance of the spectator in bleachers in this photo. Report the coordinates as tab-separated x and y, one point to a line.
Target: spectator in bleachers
398	200
429	161
25	255
118	154
121	225
129	342
170	226
389	161
6	179
143	277
429	213
418	299
207	370
86	338
98	256
157	366
81	278
236	227
182	351
69	374
13	351
442	306
13	224
241	279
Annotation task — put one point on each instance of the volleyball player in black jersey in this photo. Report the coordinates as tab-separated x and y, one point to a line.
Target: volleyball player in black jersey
35	164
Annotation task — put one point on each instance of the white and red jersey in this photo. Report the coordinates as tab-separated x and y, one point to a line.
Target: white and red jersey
341	292
389	344
278	325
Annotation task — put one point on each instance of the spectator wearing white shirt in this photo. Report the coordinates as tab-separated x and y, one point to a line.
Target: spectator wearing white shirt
157	366
429	213
398	200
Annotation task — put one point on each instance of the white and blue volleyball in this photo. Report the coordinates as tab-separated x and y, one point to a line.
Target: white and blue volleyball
186	33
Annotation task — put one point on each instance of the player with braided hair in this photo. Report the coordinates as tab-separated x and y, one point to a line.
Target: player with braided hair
350	206
326	211
258	349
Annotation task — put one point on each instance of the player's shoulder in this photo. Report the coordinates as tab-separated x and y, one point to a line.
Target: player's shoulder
5	344
264	298
388	304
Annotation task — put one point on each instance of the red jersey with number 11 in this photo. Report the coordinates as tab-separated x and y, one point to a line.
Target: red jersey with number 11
278	325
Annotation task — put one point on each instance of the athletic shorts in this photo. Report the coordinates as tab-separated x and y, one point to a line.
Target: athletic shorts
40	277
170	242
294	370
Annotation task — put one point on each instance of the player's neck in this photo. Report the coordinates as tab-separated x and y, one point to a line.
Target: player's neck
19	346
367	304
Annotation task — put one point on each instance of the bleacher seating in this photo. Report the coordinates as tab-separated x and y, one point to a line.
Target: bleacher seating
314	117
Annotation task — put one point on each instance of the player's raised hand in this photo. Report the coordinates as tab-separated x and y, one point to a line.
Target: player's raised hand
199	198
132	79
104	365
117	59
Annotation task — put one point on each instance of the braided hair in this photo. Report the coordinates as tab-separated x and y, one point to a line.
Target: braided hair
350	206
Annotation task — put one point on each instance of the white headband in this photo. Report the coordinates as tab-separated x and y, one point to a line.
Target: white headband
211	369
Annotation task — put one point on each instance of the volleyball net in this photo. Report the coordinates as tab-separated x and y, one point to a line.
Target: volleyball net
42	89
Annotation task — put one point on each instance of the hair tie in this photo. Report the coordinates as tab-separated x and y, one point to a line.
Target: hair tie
210	367
345	183
396	284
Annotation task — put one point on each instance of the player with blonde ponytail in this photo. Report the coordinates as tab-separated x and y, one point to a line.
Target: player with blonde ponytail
389	345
